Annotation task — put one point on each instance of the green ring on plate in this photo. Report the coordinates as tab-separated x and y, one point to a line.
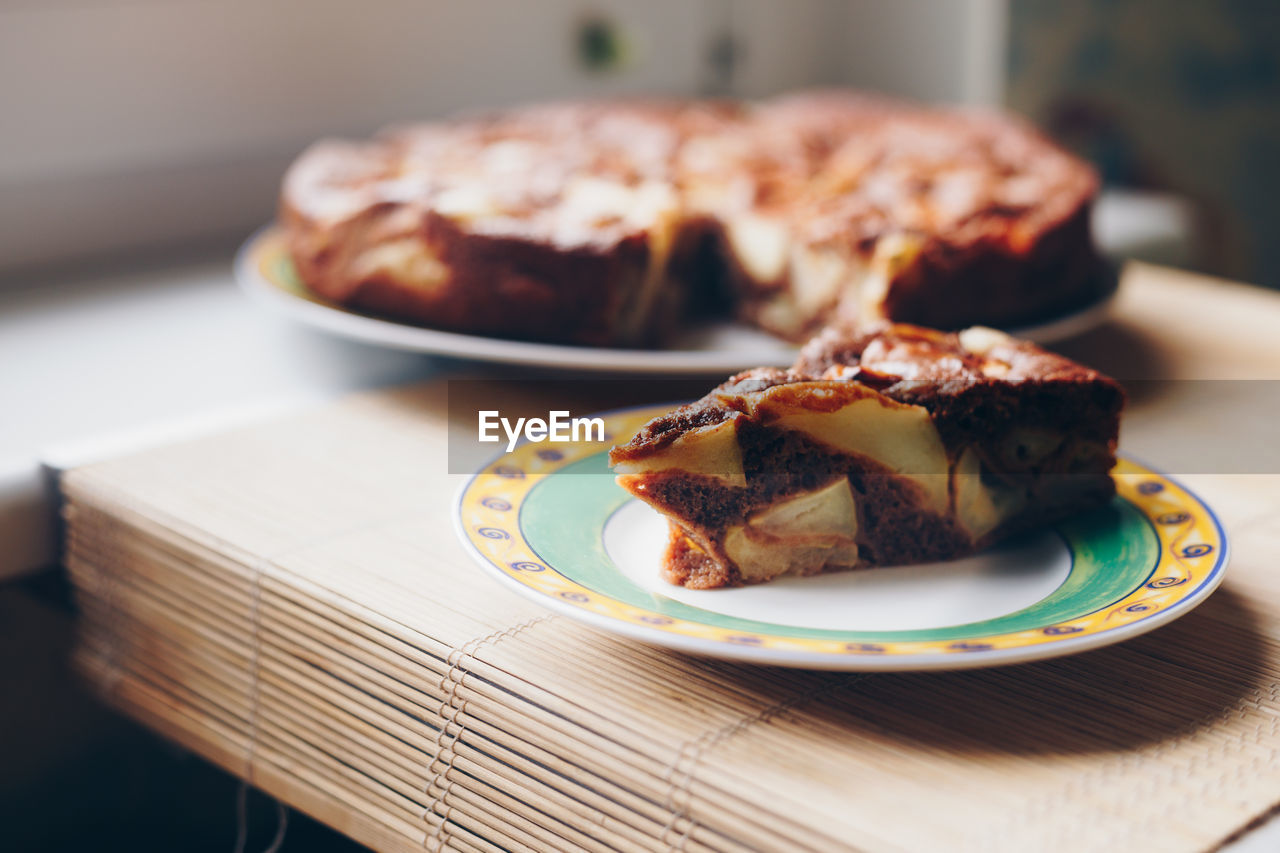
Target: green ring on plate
1113	550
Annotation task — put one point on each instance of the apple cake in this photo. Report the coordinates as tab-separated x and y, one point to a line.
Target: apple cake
884	447
611	223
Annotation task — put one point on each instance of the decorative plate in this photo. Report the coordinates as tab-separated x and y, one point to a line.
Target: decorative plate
549	522
266	272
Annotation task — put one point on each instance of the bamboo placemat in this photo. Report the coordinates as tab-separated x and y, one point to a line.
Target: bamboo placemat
290	601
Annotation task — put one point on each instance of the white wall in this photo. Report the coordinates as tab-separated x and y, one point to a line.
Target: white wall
159	120
126	123
933	50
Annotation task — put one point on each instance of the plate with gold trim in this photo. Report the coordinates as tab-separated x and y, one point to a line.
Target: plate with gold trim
548	521
266	272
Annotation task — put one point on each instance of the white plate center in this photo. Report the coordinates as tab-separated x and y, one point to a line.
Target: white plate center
999	581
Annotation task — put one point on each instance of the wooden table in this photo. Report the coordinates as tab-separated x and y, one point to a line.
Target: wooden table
290	601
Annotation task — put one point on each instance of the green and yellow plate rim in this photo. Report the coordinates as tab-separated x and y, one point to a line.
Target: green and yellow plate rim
534	519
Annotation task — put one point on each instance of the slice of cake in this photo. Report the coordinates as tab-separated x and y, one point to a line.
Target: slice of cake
899	445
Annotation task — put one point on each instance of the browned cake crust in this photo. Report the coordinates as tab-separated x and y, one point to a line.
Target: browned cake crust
895	446
600	223
555	223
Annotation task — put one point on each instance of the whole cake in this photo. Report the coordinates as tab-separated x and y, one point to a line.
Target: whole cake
611	223
898	445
